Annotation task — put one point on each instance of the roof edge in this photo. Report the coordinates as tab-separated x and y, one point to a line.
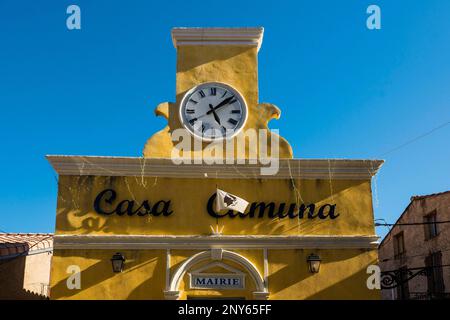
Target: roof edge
240	36
250	169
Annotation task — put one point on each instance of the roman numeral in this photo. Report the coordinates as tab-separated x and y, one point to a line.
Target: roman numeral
203	128
202	94
232	101
224	94
190	111
193	101
232	121
235	111
192	121
213	91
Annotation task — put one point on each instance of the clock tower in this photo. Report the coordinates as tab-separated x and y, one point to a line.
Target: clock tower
305	231
213	65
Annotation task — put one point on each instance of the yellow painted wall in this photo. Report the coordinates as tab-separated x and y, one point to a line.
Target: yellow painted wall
342	275
143	278
76	215
342	272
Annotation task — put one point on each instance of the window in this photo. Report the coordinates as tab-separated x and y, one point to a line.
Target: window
434	275
431	230
399	245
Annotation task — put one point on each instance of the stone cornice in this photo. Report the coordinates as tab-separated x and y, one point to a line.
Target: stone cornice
208	242
217	36
158	167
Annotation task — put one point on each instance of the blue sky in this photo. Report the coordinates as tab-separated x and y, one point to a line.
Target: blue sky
344	91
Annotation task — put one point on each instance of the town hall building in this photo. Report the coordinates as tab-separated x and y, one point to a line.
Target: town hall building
149	227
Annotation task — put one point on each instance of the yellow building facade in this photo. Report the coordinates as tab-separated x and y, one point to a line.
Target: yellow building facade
160	214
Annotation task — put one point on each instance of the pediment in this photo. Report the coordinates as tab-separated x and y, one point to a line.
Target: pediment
216	267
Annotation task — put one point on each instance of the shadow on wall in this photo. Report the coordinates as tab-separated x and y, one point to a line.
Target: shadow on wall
342	276
12	280
336	279
143	290
100	274
346	289
193	59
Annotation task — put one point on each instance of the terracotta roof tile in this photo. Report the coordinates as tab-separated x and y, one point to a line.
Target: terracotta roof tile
17	243
428	195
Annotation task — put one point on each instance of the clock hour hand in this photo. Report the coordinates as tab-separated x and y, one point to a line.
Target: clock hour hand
214	113
224	102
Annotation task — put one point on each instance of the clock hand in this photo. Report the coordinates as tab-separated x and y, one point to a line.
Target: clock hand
214	113
224	102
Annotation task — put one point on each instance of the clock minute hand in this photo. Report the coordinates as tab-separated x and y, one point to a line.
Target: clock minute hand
224	102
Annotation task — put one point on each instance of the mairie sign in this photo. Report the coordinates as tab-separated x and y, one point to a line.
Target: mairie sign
216	281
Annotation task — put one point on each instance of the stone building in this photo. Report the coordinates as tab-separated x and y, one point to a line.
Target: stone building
418	246
25	265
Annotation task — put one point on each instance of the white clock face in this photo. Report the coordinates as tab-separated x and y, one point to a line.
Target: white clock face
213	111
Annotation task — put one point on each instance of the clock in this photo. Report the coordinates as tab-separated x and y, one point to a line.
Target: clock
213	111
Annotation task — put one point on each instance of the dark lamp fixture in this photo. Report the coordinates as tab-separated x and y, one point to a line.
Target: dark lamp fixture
314	263
118	261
